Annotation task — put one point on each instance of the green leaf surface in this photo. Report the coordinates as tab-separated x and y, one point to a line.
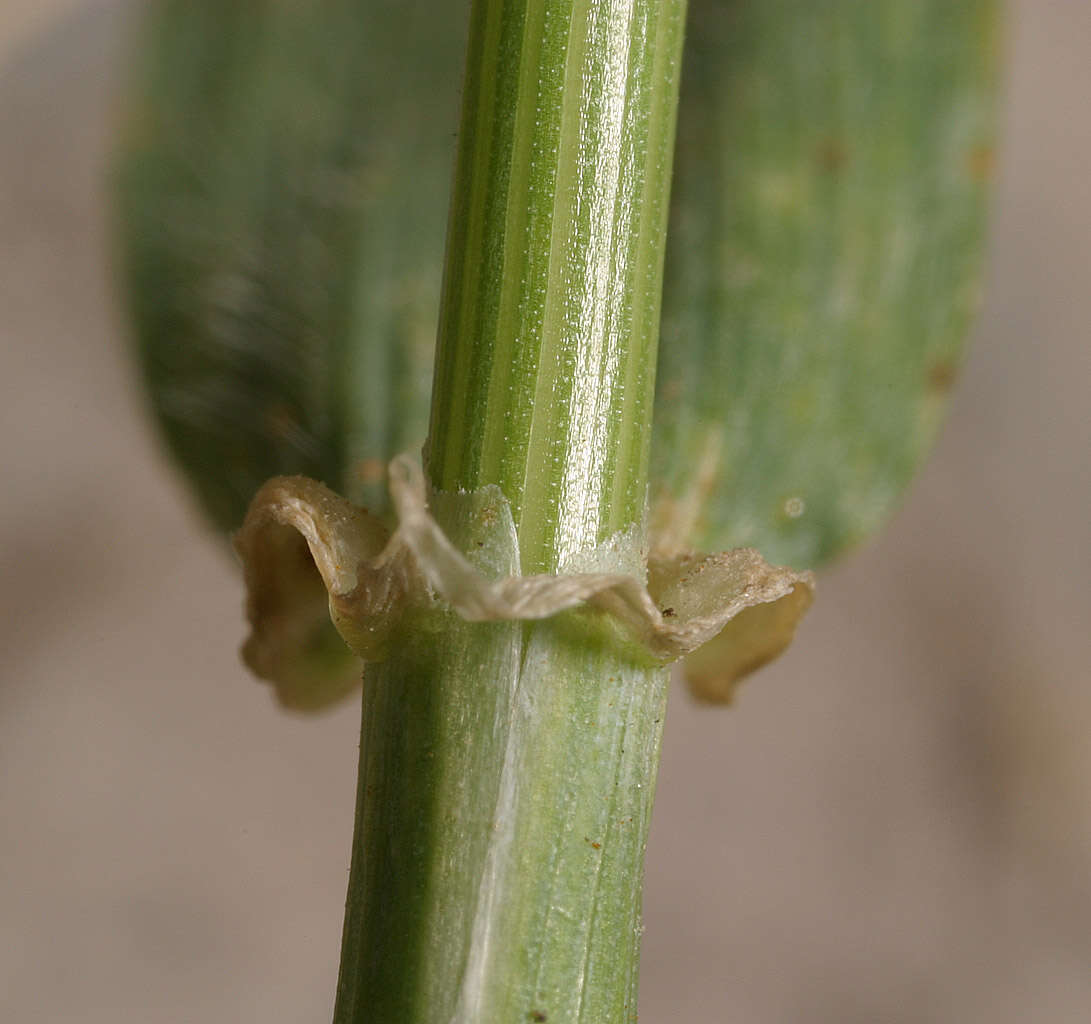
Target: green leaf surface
282	185
823	263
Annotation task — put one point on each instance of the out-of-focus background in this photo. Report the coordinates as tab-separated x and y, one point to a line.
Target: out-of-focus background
892	824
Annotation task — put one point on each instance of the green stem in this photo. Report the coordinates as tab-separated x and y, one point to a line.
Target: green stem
507	770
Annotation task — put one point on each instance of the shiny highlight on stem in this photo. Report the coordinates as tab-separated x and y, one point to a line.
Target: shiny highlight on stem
549	324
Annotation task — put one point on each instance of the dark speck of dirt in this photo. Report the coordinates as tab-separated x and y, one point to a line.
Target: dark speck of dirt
668	613
537	1015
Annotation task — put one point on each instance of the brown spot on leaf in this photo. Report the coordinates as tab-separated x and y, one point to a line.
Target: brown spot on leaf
537	1015
941	376
671	390
979	163
370	471
831	155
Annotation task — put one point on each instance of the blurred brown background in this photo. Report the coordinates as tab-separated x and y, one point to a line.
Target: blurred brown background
893	824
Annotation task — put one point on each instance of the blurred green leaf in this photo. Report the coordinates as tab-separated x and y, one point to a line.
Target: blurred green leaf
282	187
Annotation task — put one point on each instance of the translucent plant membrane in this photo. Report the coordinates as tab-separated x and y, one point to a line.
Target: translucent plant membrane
305	549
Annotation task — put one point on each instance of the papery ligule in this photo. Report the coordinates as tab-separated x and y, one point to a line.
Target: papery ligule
370	577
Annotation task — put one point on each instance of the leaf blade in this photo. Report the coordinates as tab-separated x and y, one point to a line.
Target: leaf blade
280	192
822	267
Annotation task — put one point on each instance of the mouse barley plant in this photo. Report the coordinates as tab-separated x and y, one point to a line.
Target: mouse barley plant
473	474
